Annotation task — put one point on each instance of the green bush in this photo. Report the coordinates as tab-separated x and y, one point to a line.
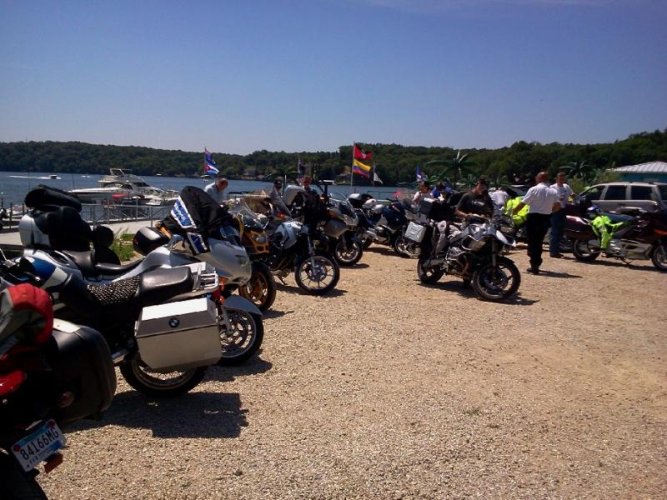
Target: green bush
122	246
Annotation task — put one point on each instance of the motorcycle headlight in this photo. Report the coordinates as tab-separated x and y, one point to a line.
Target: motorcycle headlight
260	238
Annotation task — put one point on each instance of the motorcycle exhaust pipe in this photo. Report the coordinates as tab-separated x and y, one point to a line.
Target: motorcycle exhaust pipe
119	357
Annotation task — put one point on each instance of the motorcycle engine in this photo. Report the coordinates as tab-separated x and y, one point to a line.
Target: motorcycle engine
455	258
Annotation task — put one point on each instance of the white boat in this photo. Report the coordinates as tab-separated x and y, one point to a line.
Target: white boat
122	186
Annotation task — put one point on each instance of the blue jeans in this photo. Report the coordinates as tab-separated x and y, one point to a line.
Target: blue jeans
557	224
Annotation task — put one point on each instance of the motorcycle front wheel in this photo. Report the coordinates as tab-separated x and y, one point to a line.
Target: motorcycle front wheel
157	384
659	257
584	251
428	275
348	253
317	275
496	282
241	336
261	288
406	248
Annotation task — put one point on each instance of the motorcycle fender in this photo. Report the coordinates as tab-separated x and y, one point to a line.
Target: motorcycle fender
241	304
504	239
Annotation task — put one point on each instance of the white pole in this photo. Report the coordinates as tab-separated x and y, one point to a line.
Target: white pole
352	169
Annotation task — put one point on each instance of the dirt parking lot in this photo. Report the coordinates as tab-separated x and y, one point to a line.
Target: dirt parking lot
390	389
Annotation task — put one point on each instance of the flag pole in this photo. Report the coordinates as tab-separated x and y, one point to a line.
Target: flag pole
352	169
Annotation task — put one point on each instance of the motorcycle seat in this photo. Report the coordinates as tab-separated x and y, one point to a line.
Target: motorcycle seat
161	285
90	268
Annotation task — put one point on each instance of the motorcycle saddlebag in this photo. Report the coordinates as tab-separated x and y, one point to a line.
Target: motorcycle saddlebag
179	335
148	239
436	210
415	232
82	364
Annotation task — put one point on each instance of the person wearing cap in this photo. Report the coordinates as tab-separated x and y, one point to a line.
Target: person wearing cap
217	188
277	199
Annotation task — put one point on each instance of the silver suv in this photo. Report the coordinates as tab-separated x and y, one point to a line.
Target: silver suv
612	196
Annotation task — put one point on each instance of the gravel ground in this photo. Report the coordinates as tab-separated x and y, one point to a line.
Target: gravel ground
390	389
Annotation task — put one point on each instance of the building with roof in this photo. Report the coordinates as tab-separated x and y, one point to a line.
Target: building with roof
655	171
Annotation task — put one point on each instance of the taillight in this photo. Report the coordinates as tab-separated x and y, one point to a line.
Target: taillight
10	382
218	295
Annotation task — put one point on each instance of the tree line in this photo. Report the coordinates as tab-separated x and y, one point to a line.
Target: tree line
395	164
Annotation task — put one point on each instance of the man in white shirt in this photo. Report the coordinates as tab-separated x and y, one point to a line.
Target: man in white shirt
558	217
542	201
217	188
499	197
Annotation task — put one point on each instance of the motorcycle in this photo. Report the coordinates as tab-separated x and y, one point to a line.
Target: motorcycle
340	229
293	247
475	253
55	222
52	374
260	289
161	326
385	224
338	224
642	236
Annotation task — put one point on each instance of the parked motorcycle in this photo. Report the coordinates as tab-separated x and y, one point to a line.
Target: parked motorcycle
475	254
293	247
340	227
161	326
51	375
338	224
260	289
642	236
56	222
385	224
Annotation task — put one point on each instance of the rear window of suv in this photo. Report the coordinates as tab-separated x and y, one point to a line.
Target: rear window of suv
641	193
615	193
662	189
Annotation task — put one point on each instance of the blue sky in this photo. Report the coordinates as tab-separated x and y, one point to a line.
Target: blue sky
312	75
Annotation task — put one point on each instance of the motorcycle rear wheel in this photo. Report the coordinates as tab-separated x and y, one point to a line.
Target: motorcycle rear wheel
158	384
261	288
243	340
428	275
496	283
318	277
659	257
348	253
583	251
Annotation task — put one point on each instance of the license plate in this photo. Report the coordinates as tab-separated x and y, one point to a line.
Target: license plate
39	445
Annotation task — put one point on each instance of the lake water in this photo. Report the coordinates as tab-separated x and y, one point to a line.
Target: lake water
15	185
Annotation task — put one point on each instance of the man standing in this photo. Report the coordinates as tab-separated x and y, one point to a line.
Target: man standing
217	188
277	199
558	217
499	197
422	192
542	201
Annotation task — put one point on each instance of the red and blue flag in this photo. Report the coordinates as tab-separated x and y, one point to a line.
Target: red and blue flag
209	164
